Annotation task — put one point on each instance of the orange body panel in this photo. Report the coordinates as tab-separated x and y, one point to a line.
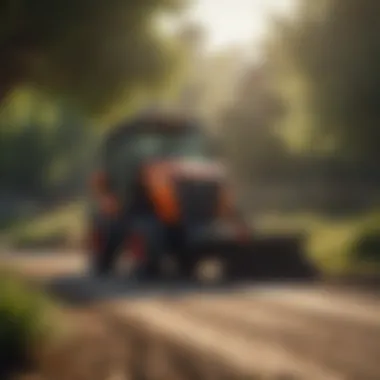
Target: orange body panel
158	179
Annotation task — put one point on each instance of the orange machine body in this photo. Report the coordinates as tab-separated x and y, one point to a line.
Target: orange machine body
159	179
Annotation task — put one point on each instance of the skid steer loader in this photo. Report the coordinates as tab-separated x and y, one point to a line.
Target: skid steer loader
161	197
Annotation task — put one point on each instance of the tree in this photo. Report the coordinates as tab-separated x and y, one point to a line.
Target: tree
249	126
43	147
332	53
91	53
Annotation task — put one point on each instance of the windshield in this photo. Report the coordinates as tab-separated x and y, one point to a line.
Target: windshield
188	145
155	145
126	155
123	158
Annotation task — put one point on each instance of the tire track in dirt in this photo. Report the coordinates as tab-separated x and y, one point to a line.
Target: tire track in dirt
346	346
250	357
302	332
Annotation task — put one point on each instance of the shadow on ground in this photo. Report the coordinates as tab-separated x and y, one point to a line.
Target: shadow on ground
87	290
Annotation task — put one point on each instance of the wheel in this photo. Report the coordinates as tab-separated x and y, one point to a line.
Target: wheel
210	270
147	245
117	264
164	267
169	266
103	255
101	264
150	271
102	245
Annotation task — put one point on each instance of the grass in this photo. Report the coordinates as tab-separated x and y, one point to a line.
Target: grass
28	320
334	244
60	227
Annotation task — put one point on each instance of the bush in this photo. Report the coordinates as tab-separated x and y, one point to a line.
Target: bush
367	247
26	319
60	228
50	240
337	245
349	247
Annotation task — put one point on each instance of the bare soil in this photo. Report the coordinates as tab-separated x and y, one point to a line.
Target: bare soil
91	351
311	334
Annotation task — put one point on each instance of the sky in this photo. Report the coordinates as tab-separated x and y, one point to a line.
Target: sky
229	22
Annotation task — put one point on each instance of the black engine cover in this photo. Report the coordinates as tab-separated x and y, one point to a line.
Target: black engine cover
198	200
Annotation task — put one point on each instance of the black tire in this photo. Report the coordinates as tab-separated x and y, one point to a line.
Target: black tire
150	271
102	264
103	261
101	258
215	264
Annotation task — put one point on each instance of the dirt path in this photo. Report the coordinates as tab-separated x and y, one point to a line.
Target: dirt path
258	331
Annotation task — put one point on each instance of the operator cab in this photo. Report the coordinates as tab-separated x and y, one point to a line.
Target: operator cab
158	137
143	154
153	139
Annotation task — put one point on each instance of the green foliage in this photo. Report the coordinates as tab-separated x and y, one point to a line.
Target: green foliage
91	53
249	126
44	147
26	320
338	246
58	227
367	246
28	171
331	51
